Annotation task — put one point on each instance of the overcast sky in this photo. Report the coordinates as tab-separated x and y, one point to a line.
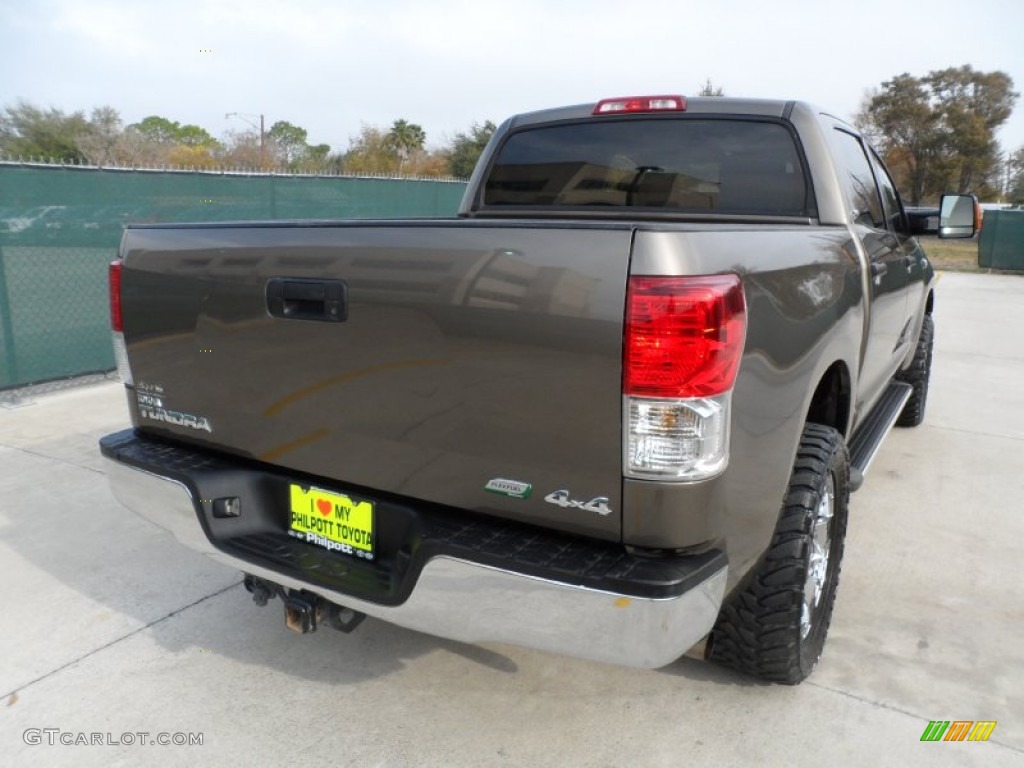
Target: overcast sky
329	66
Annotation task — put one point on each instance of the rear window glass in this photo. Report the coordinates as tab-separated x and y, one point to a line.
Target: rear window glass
692	164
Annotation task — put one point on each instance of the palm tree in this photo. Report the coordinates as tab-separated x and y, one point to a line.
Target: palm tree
405	138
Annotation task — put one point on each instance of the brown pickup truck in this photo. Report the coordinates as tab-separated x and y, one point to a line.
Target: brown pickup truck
615	408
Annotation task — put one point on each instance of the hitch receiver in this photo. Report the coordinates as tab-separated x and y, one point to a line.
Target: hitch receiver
303	610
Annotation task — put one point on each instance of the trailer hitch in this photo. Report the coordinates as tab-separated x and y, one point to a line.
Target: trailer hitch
304	611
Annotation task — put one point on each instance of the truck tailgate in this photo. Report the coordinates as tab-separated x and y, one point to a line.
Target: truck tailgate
472	353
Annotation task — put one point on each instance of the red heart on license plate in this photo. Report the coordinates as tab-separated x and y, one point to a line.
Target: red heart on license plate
324	506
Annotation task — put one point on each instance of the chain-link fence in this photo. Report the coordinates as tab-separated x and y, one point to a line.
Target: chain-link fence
60	226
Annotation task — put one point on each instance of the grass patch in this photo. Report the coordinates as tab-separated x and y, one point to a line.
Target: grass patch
951	255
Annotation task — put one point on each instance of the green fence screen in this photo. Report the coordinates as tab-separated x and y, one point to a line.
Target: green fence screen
1001	245
60	227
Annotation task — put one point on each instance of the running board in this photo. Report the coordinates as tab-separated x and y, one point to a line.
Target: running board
871	433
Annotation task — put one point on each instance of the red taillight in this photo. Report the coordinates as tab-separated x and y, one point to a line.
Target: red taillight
640	104
684	335
116	325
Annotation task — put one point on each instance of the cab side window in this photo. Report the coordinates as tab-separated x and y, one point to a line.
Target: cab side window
890	197
857	180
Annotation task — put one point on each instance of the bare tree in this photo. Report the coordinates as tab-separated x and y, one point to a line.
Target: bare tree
99	141
710	89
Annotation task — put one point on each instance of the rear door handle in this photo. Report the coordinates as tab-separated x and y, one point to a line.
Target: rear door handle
878	268
294	298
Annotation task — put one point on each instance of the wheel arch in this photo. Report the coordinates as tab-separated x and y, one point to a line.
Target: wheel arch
830	403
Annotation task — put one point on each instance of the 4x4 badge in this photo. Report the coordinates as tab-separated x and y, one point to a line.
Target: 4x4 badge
561	499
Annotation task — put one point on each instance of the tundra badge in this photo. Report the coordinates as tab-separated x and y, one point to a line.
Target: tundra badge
152	407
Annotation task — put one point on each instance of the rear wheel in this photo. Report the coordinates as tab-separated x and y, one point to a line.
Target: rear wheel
917	376
773	625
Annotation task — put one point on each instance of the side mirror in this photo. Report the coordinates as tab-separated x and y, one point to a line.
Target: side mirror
958	216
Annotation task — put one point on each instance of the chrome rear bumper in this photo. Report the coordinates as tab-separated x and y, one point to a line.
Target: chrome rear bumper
472	603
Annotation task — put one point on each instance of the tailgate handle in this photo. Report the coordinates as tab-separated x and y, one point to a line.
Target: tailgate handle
302	299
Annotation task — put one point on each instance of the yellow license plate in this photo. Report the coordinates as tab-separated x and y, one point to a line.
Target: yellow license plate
332	521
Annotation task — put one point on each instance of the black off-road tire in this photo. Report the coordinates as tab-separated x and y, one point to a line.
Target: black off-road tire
917	376
761	630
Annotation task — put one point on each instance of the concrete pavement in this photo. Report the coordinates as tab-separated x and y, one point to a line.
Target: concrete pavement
110	627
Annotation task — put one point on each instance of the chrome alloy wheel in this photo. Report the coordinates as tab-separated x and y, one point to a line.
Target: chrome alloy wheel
817	561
